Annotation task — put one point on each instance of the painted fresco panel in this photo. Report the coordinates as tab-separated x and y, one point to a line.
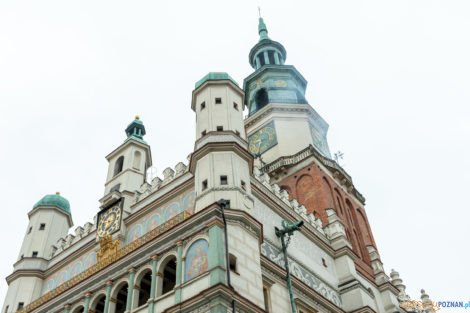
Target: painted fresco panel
69	272
175	206
196	261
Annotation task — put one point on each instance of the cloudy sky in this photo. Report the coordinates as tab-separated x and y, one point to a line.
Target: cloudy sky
390	77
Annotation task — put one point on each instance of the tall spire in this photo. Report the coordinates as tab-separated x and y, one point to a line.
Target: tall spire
262	29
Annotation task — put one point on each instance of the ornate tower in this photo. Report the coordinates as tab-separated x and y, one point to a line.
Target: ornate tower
49	220
128	164
289	136
220	162
278	110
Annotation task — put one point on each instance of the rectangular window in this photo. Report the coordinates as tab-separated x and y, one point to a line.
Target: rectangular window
20	305
243	185
203	133
35	254
223	180
235	106
218	100
42	226
203	105
204	185
220	128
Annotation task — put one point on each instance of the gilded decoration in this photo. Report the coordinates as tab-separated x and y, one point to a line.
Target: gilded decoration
106	260
108	248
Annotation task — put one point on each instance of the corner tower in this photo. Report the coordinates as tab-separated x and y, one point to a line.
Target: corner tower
128	165
220	163
278	110
49	220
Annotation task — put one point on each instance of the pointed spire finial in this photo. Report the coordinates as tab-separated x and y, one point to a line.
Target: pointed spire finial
262	29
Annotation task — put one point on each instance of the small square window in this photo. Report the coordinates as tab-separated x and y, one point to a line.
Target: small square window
20	305
218	100
235	106
223	180
42	226
203	105
324	263
237	132
220	128
35	254
243	185
204	185
203	133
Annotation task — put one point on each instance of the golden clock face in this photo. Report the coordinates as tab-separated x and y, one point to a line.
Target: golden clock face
109	221
263	139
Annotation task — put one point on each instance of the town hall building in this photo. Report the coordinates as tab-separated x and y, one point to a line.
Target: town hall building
213	234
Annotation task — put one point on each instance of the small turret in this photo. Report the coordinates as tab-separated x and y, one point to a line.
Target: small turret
127	165
49	220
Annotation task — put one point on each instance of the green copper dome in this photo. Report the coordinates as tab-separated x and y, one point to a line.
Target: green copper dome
54	200
136	130
215	76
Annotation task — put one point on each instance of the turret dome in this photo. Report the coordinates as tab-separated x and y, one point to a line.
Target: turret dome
55	200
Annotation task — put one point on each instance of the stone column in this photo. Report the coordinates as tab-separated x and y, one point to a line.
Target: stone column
179	269
153	286
216	253
266	57
130	288
109	285
87	302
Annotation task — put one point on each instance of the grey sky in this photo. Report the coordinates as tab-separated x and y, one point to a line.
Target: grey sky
390	77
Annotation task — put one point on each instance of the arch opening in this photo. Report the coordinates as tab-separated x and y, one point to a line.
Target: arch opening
168	280
145	286
261	99
121	299
99	306
118	165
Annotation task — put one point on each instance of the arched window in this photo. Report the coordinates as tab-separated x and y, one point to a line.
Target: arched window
118	165
168	281
137	160
80	309
121	299
261	98
144	290
98	304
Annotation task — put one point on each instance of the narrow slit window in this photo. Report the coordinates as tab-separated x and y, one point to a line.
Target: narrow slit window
218	100
235	106
237	132
203	133
220	128
29	230
243	185
42	226
203	105
233	263
204	185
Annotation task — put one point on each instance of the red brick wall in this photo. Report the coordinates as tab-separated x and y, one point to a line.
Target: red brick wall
312	187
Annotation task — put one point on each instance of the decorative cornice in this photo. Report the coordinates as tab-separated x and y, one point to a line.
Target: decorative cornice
337	171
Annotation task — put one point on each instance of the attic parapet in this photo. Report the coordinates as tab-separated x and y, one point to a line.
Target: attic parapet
169	175
70	240
293	204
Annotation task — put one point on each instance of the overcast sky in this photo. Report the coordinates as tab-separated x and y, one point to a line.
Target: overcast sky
391	78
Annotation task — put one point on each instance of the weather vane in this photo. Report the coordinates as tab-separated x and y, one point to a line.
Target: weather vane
338	155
